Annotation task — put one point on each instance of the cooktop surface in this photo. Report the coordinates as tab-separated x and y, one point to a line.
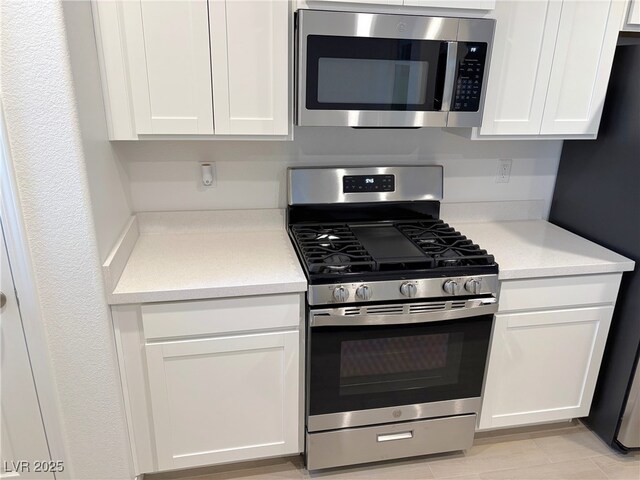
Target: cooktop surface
389	249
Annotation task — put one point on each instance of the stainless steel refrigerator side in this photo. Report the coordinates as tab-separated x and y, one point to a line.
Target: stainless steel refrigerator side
629	433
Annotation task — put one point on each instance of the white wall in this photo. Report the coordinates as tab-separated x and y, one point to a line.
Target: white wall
164	175
49	161
108	185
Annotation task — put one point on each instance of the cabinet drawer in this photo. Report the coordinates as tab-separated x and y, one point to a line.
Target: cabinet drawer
384	442
212	317
537	293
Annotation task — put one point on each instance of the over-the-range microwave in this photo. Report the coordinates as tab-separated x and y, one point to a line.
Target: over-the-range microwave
381	70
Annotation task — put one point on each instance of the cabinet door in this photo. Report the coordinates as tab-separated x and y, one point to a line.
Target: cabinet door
167	44
520	66
224	399
383	2
468	4
543	366
633	18
582	62
250	60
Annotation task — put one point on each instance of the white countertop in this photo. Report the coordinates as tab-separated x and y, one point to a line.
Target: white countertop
195	255
536	248
225	255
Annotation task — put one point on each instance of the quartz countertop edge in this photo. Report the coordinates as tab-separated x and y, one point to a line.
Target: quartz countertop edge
197	255
537	248
177	256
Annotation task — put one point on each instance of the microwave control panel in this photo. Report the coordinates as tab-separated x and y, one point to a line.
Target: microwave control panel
468	87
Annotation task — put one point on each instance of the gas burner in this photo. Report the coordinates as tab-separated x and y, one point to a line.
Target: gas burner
331	249
444	244
336	262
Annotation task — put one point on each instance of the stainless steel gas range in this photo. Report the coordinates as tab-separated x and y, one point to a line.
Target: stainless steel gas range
399	314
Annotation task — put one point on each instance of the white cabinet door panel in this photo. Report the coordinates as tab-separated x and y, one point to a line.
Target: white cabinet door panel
167	45
250	60
581	66
383	2
520	66
633	18
468	4
543	366
224	399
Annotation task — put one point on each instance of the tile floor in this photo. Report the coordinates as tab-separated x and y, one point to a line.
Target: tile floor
561	451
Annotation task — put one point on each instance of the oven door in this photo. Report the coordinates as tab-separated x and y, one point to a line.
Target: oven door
384	363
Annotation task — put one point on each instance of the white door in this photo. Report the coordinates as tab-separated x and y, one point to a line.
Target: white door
225	399
582	63
167	45
23	439
534	353
521	62
250	62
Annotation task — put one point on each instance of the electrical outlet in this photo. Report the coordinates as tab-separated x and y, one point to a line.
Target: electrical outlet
504	171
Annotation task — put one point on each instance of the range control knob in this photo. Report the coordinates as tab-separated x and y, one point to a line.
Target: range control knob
451	287
473	285
408	289
340	294
363	292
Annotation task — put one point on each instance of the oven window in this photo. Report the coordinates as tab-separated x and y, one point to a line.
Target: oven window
399	363
360	73
374	366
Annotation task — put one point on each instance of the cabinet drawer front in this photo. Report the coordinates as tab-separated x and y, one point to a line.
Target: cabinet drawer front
383	442
224	399
538	293
212	317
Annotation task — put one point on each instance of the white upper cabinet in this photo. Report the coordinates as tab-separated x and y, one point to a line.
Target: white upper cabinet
250	60
632	20
167	45
467	4
380	2
582	62
520	67
194	67
550	67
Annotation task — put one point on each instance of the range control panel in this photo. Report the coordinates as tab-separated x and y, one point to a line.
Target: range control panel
471	60
368	183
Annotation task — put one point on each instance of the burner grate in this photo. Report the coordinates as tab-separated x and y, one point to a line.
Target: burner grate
332	248
444	244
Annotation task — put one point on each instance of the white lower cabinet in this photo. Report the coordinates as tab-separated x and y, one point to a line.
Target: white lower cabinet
224	399
211	381
545	356
544	365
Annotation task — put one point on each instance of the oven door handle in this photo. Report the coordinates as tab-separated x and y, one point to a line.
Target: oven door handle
338	317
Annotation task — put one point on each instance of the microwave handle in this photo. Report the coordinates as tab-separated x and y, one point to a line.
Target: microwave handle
449	75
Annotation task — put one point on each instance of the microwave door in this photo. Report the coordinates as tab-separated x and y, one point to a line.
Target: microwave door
376	82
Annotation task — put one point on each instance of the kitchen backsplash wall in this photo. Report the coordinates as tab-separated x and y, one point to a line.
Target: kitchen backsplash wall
165	175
